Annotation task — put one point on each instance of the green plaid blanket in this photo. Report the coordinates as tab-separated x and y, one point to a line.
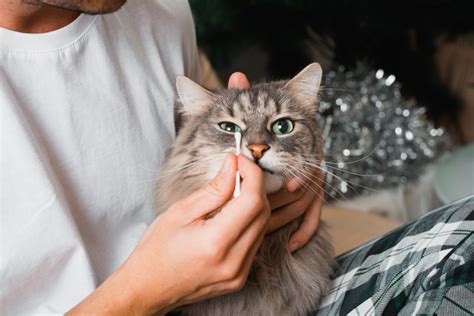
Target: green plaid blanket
424	267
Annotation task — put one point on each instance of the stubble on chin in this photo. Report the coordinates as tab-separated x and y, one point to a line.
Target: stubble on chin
84	6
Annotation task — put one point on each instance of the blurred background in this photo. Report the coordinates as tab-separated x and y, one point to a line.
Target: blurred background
427	44
397	97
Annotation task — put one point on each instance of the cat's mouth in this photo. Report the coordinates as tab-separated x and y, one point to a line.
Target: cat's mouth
260	164
266	170
263	168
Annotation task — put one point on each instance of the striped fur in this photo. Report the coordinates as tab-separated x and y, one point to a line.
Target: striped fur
280	283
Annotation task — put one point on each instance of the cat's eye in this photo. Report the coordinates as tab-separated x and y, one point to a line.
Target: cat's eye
283	126
230	127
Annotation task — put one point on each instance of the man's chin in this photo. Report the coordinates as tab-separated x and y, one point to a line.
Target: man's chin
84	6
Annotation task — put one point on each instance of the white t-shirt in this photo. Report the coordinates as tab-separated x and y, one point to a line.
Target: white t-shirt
86	118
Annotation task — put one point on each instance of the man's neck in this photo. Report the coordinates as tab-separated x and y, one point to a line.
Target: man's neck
33	18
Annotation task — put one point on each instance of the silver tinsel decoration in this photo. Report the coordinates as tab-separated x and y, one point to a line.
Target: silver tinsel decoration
374	138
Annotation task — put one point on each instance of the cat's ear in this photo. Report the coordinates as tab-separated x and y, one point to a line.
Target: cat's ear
192	96
305	85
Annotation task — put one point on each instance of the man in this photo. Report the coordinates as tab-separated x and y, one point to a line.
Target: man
87	116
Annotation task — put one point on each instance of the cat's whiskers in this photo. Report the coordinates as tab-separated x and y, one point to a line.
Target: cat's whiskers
338	162
290	174
322	193
351	184
324	165
294	172
202	163
209	116
297	172
158	172
158	175
318	163
191	164
340	178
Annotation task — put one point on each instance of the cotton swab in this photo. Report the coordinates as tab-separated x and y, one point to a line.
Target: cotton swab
238	140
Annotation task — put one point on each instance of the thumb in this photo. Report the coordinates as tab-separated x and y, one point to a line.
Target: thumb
238	80
215	194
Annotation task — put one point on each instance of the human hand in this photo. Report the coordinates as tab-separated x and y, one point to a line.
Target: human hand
295	201
186	257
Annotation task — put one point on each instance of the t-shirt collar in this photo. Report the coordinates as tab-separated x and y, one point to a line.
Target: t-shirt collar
55	40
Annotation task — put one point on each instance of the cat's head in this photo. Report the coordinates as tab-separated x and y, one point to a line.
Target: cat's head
277	121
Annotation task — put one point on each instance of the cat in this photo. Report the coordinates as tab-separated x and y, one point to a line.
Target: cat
280	133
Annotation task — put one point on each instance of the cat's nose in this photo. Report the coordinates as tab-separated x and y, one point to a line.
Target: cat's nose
258	150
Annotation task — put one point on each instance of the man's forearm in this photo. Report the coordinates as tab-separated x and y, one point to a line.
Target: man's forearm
116	296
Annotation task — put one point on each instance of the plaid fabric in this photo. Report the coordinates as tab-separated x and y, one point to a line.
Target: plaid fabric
423	267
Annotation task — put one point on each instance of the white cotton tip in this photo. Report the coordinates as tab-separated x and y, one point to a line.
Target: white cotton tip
238	140
237	185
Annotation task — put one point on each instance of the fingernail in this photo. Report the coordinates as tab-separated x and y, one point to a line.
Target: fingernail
227	163
294	246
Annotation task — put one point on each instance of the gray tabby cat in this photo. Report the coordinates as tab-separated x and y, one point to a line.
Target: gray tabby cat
279	131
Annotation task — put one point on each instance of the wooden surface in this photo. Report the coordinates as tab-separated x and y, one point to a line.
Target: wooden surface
350	228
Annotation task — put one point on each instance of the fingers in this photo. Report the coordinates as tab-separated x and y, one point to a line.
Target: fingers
241	278
243	251
240	212
289	212
242	254
235	267
214	195
238	81
308	226
233	283
252	176
293	184
231	273
281	198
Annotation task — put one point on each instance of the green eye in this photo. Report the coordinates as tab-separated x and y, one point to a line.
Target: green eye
282	126
230	127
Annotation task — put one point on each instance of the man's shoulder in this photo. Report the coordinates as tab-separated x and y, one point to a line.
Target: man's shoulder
164	29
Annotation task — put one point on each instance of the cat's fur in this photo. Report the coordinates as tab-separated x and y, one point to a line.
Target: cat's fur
280	283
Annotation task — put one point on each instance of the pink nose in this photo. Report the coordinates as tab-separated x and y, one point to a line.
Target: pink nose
258	150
